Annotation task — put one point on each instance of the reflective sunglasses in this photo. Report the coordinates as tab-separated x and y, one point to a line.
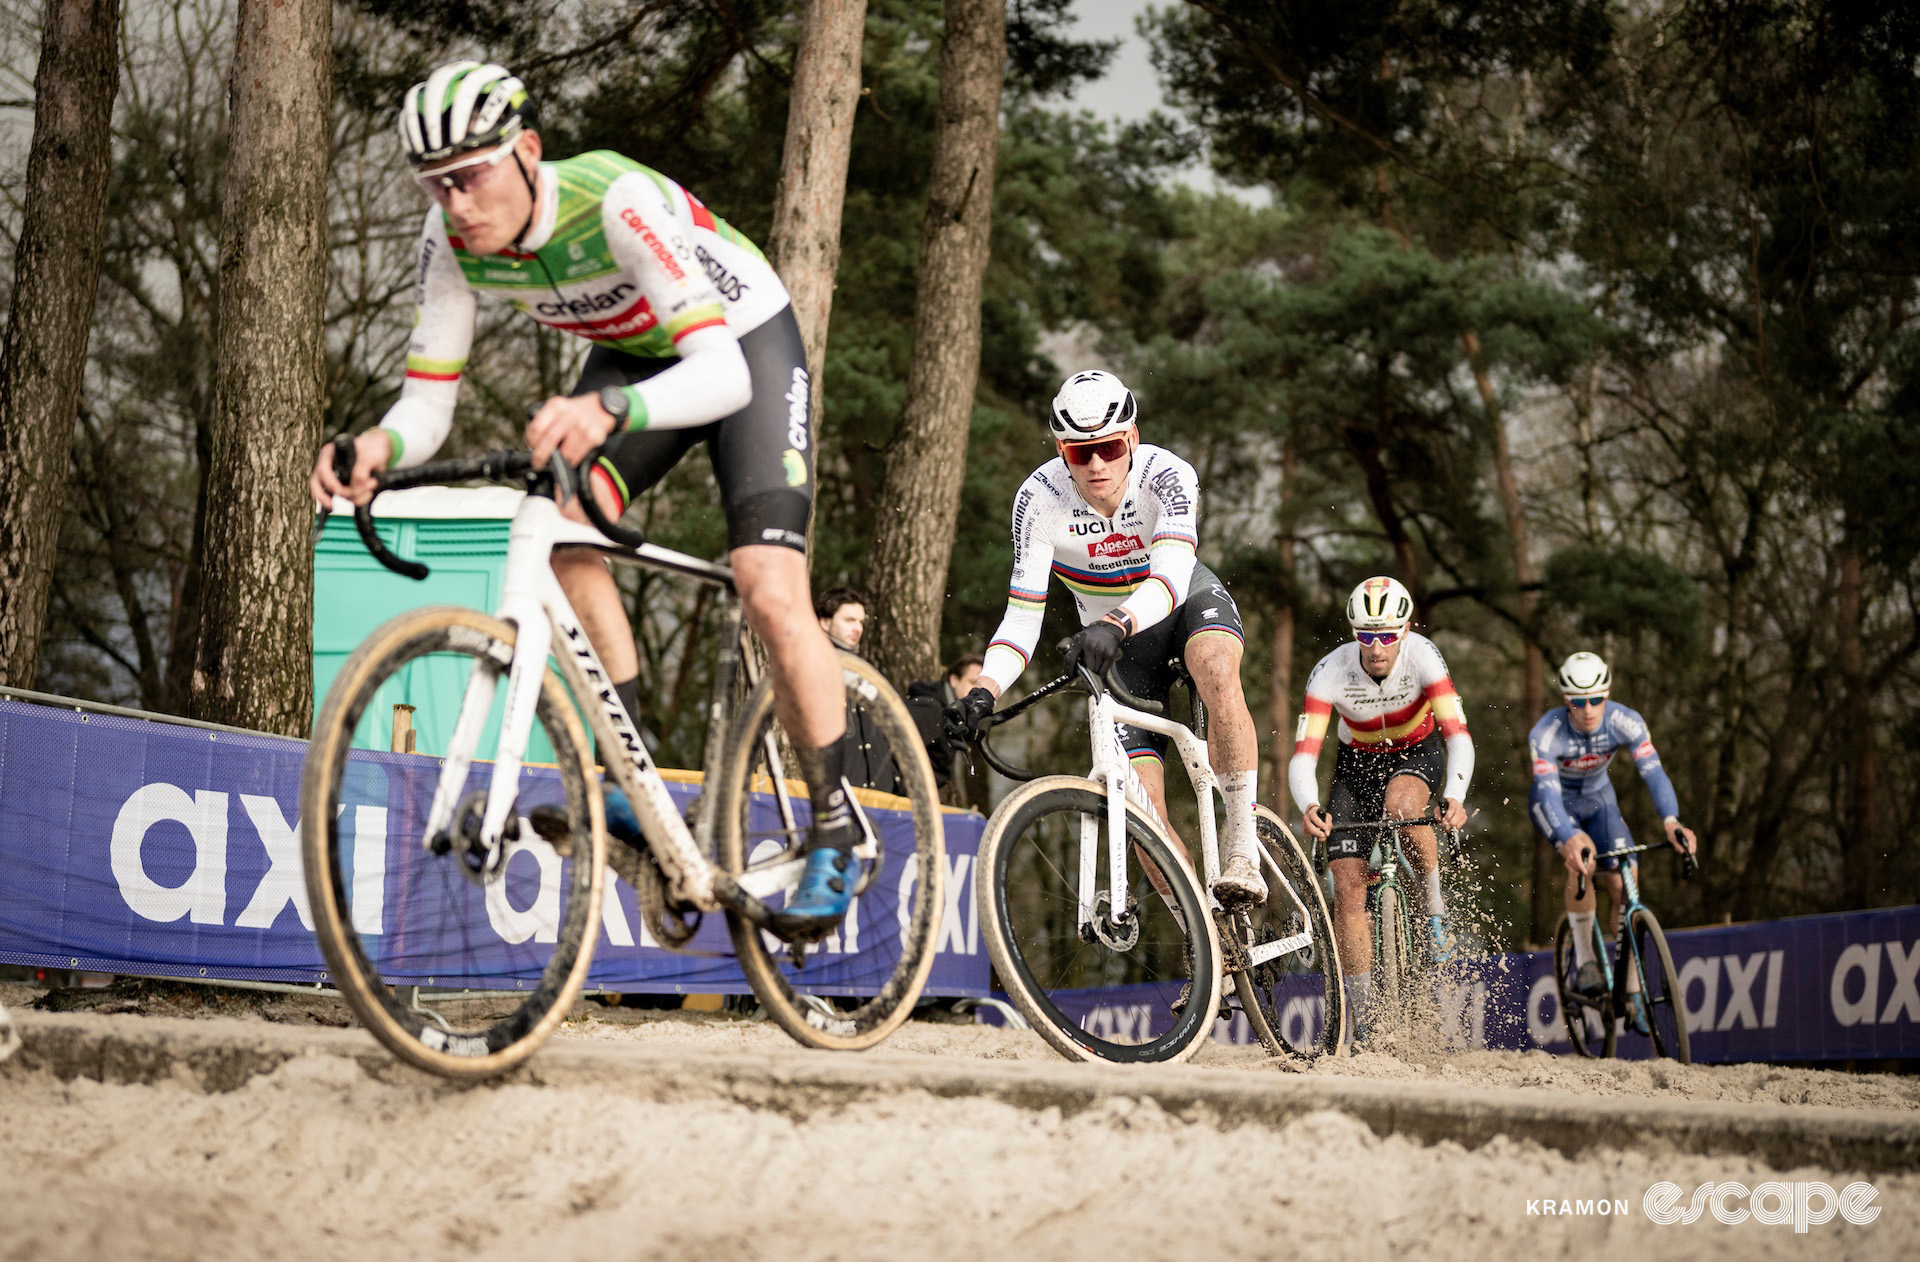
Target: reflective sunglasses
466	176
1379	637
1108	449
1581	703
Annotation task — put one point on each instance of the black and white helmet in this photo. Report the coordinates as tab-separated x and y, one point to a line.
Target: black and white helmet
1585	675
1091	404
462	106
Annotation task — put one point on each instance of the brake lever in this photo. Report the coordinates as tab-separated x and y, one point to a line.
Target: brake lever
343	458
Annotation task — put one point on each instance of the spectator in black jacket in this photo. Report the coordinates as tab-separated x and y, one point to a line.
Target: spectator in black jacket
926	698
867	760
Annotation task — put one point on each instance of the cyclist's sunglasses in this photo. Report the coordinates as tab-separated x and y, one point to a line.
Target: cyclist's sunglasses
1379	637
466	176
1581	703
1108	449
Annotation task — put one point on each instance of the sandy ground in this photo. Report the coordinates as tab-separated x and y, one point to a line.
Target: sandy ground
319	1160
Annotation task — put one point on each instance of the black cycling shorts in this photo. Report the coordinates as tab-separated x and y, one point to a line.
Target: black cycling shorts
1358	794
1149	661
762	455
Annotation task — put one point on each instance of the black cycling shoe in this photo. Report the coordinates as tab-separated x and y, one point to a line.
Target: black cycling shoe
1589	982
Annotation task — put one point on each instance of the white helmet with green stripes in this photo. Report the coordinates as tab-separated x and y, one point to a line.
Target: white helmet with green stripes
463	106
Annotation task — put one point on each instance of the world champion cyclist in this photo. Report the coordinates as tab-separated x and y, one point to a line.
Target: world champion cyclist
694	340
1403	738
1117	520
1573	805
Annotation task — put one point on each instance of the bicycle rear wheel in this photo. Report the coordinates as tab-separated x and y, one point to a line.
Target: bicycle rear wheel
1580	1015
1029	907
1293	1000
864	979
1660	988
506	935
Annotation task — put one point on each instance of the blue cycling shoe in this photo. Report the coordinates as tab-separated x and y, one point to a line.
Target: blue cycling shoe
820	900
622	824
1442	939
1637	1014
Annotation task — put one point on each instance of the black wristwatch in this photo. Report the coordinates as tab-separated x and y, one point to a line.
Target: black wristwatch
614	400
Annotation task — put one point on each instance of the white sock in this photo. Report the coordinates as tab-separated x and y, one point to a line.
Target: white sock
1580	924
1237	788
1359	997
1436	905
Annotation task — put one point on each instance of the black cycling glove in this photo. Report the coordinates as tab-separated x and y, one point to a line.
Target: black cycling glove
1097	647
960	722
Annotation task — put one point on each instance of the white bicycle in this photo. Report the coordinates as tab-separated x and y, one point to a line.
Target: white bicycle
467	916
1055	927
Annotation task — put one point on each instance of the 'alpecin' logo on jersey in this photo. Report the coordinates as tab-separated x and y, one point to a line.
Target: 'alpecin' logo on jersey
1115	545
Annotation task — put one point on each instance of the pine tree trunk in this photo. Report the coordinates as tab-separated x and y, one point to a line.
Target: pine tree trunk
1283	628
1547	882
1861	862
913	539
805	242
56	274
253	661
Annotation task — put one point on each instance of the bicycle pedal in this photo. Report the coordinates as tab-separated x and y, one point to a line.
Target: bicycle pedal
551	825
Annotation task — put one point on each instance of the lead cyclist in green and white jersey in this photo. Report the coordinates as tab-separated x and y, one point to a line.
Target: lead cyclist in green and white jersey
694	340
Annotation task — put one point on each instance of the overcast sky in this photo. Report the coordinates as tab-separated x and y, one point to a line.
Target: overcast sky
1130	89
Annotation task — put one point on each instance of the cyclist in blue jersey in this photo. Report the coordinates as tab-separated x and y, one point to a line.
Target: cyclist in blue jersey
1572	803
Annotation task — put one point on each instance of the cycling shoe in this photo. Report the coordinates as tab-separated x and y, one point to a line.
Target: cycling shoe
1239	883
1442	939
1589	981
821	899
1637	1014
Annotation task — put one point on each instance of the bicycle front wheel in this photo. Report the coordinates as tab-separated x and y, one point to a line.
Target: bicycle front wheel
1291	989
1660	988
460	958
1392	959
1050	945
1590	1027
859	984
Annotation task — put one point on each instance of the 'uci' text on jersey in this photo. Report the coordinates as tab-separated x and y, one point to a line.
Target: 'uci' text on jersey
1140	559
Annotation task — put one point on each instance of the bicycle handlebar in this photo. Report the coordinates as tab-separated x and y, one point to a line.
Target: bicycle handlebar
1079	680
1688	864
559	479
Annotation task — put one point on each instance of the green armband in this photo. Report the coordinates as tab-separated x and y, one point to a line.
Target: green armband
636	409
396	446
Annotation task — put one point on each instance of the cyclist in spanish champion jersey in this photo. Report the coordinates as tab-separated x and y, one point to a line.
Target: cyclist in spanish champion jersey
693	341
1116	521
1573	805
1403	738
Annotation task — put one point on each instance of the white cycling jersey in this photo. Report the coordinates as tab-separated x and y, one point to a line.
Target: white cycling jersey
1381	716
1139	560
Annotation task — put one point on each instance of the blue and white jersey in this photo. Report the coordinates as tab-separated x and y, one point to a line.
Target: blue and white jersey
1570	768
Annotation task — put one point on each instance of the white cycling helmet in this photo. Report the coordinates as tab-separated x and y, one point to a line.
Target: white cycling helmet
1091	404
461	107
1379	604
1584	675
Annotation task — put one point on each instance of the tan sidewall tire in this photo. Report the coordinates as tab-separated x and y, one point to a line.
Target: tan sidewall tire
325	755
756	962
1002	953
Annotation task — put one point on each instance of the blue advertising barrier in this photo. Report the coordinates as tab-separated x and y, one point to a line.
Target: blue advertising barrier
161	850
1838	987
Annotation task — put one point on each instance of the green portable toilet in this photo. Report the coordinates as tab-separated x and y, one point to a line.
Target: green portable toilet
461	535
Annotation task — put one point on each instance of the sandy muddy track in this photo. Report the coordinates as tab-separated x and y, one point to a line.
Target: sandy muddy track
220	1139
224	1055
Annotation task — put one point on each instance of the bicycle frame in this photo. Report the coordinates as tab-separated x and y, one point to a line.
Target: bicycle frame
1112	768
1629	903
